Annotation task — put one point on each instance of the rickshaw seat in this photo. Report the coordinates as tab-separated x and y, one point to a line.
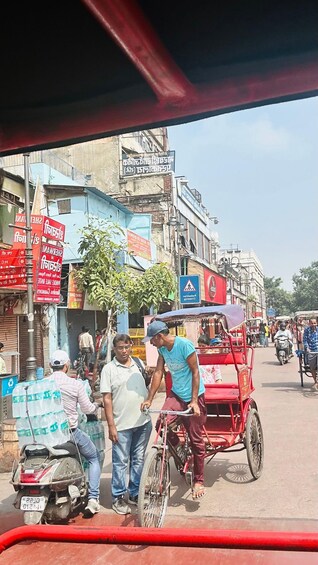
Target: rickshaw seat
217	358
221	393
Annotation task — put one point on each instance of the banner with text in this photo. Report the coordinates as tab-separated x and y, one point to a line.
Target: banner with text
48	281
75	297
138	245
148	164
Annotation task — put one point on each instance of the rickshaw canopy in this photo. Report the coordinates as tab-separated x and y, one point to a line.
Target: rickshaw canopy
306	314
232	313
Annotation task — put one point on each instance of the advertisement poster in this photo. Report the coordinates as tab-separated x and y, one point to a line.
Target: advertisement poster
138	245
214	287
75	297
48	281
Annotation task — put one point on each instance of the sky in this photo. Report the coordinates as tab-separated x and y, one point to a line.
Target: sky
257	171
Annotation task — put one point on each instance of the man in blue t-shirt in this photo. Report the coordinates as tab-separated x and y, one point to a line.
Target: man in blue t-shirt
187	391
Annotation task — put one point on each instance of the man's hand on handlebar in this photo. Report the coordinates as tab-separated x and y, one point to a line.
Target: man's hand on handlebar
195	407
145	405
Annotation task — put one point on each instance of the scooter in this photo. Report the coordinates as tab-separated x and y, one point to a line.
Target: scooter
50	483
283	352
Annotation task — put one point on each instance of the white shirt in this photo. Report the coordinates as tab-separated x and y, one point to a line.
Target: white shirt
73	393
283	333
86	340
128	390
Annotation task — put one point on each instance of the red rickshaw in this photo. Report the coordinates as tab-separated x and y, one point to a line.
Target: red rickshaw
233	422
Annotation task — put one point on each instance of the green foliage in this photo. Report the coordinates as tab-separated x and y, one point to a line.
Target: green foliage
306	288
278	298
108	281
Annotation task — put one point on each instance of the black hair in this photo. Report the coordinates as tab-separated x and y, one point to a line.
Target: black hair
204	339
1	345
57	367
121	337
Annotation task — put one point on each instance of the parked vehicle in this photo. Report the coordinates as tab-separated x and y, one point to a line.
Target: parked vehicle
50	483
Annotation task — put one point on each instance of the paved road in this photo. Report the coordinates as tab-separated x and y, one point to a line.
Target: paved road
284	498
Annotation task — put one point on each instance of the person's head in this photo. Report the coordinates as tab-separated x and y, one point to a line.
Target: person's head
98	332
60	361
1	346
85	330
122	347
282	326
313	323
157	333
203	340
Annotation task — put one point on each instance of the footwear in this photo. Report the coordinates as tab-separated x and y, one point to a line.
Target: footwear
198	491
120	506
133	499
314	386
92	508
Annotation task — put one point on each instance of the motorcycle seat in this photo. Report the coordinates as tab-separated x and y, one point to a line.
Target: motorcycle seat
67	448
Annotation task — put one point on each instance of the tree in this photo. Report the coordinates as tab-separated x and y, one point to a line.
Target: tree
107	280
306	288
278	298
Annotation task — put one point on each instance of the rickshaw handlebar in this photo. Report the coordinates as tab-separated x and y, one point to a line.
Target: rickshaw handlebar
187	412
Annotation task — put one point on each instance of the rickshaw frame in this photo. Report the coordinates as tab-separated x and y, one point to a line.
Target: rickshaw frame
303	367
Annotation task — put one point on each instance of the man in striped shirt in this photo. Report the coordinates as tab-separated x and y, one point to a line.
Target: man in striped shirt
310	341
73	393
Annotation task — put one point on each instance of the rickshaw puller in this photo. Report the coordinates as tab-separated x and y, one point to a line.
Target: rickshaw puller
187	392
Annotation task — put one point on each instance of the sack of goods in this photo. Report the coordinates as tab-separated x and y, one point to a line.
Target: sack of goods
38	409
95	431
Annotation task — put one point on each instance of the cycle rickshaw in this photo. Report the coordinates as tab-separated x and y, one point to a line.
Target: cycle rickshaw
233	423
301	320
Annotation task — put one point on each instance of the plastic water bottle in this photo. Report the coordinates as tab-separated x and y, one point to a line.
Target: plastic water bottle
37	428
63	426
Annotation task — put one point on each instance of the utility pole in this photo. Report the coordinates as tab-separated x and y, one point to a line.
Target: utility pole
31	360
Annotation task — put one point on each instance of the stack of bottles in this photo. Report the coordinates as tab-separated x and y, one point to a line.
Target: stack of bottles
45	416
95	430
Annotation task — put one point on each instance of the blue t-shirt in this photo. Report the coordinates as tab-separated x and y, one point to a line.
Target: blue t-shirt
176	361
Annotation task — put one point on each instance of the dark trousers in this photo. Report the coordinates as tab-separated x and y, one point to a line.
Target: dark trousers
194	426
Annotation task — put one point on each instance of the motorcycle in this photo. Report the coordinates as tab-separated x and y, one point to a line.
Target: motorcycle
283	352
50	483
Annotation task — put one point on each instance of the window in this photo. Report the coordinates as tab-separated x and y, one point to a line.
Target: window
200	243
206	249
64	206
7	216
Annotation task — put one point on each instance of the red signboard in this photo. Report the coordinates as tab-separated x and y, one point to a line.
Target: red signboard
75	297
53	229
48	281
214	287
12	258
138	245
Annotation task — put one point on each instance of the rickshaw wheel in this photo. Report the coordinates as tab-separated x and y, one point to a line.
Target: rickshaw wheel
300	361
254	443
154	490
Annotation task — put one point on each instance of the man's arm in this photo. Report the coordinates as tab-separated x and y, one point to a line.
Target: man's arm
86	405
91	343
192	361
155	382
305	338
108	408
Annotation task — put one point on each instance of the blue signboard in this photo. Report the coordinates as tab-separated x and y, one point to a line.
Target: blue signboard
8	384
189	289
271	312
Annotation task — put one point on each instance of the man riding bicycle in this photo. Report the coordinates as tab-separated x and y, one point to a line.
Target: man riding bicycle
187	392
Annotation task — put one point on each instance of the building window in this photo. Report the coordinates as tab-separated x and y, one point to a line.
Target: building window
64	206
200	244
7	216
206	249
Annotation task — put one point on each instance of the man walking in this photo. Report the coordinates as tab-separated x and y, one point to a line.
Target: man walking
73	393
124	389
310	341
187	392
86	345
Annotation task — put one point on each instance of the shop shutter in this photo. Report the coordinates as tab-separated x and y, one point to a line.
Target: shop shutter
9	337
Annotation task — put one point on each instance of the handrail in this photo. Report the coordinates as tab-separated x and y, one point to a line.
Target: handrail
171	537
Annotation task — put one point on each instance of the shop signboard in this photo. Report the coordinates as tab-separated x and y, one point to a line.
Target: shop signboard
138	245
48	280
75	297
214	287
148	164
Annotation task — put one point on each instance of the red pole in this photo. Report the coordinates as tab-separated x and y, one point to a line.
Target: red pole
173	537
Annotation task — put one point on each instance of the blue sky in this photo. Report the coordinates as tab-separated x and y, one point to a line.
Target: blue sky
257	171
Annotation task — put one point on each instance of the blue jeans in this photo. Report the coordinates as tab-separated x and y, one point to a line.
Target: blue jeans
87	448
129	451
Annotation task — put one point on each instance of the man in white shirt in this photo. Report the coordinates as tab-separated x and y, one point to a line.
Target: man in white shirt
124	389
86	345
283	332
73	393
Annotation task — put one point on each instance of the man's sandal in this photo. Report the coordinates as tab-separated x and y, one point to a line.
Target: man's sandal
198	491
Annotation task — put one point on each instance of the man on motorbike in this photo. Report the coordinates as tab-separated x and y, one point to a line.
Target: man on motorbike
283	332
73	393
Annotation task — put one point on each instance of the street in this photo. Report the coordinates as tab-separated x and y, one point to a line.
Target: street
284	498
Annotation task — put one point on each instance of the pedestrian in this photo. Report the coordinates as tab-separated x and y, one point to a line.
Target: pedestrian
267	332
86	346
124	389
3	368
310	341
73	394
187	391
262	334
210	373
